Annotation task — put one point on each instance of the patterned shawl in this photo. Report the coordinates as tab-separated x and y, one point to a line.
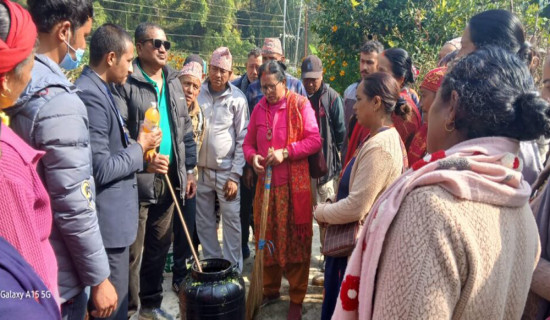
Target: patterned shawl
484	170
300	181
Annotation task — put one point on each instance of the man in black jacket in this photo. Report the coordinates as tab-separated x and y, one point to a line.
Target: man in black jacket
115	160
154	81
329	112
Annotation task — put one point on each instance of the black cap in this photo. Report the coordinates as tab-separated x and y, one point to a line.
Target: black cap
194	57
312	67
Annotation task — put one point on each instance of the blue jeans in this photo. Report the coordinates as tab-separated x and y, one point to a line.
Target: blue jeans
75	308
335	268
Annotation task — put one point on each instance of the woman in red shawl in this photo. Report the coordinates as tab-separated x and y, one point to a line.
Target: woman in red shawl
25	214
284	122
428	89
397	63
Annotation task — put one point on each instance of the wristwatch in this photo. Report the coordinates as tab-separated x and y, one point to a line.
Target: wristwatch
285	153
190	171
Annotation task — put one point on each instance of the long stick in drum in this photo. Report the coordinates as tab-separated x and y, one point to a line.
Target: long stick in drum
187	235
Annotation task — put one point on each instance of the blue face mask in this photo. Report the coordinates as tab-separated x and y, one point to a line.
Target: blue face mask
68	63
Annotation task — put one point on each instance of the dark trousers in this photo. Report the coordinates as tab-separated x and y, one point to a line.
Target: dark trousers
182	251
151	247
118	263
135	262
75	308
247	199
335	268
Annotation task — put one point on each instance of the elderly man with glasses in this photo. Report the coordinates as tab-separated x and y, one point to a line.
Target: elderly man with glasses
154	81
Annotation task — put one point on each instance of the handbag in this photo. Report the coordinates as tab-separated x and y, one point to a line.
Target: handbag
317	164
340	239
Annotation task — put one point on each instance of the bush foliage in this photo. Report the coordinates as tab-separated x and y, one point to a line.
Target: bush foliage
419	26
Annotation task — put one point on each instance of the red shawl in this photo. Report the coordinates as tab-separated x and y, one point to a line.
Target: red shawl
406	129
300	180
417	149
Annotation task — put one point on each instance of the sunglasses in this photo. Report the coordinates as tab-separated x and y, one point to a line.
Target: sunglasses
157	43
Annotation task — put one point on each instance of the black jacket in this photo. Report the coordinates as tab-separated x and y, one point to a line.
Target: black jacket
137	95
115	164
329	110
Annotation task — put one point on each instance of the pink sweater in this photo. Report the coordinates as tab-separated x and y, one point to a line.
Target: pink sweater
25	214
276	116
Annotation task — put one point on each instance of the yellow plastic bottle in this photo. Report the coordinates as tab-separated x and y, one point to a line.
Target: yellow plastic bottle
4	118
150	123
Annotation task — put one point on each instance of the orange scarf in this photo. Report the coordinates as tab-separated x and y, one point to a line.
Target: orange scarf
300	180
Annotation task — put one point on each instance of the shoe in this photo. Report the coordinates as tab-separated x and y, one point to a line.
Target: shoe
294	311
154	314
176	284
318	280
246	252
270	300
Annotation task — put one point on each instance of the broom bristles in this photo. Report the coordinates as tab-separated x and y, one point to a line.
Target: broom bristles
255	291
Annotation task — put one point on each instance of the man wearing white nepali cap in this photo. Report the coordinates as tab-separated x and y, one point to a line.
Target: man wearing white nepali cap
221	159
190	78
272	50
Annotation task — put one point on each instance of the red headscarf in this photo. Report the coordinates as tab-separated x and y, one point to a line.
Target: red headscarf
21	37
431	82
433	79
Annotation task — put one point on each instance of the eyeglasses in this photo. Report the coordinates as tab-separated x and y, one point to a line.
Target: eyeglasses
269	87
158	42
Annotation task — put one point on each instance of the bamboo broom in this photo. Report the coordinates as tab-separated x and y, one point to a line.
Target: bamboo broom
187	235
255	291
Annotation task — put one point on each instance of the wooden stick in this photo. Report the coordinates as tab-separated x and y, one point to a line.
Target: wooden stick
187	235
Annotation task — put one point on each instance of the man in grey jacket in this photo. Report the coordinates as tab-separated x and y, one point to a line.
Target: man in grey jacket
221	160
50	117
154	81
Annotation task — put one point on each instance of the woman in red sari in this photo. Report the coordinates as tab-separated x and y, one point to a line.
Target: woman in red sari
398	64
428	89
284	122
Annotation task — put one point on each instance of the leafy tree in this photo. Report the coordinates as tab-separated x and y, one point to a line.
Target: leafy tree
418	26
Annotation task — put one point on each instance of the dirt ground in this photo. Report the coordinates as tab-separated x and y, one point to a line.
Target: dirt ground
312	303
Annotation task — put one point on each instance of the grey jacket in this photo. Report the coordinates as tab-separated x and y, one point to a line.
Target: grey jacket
135	97
226	120
50	116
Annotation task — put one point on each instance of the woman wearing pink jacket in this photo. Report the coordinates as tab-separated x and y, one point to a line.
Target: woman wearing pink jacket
284	122
25	214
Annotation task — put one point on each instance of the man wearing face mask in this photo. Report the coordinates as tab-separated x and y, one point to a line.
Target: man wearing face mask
50	117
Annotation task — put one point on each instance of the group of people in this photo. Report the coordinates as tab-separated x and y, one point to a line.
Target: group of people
443	191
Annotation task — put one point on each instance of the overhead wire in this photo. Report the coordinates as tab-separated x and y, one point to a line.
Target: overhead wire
210	5
180	11
185	19
167	16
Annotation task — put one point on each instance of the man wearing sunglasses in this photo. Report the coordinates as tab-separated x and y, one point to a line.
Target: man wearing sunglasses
154	81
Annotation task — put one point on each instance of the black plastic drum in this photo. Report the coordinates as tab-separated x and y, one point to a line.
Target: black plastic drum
216	293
